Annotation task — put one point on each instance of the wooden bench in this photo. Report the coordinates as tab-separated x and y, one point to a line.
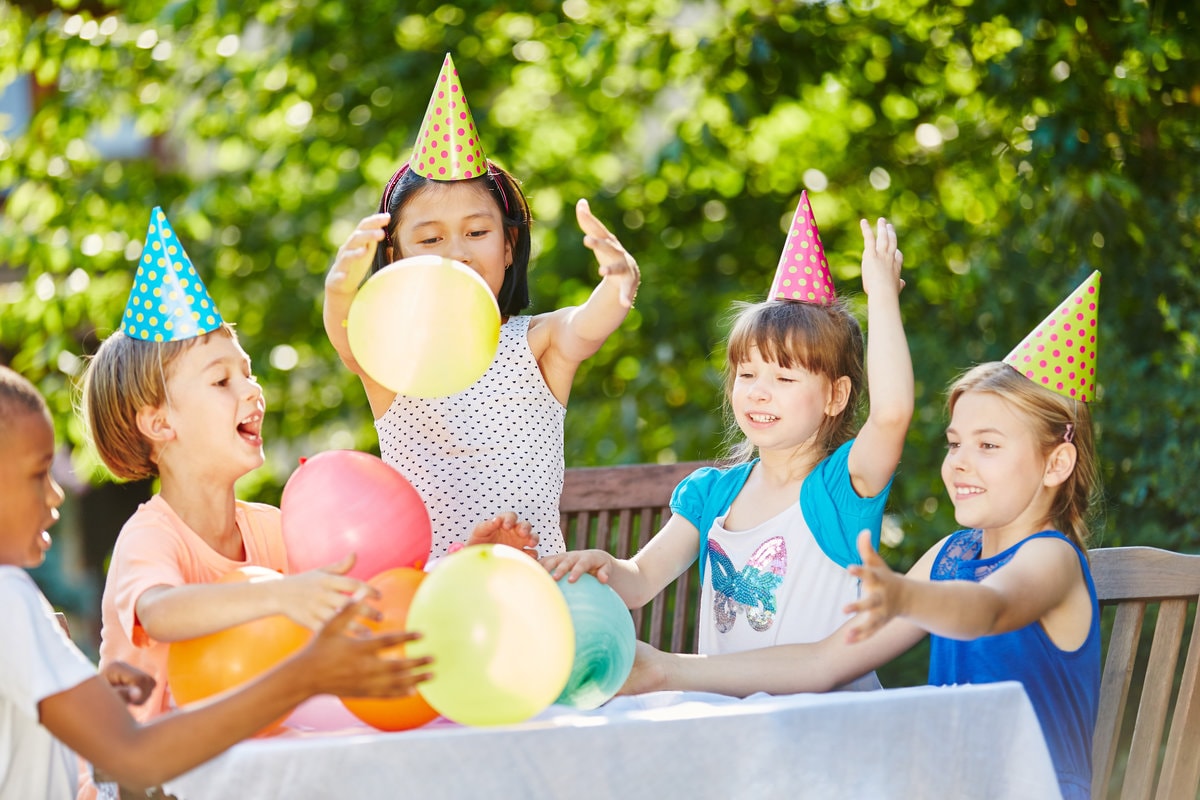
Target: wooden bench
619	508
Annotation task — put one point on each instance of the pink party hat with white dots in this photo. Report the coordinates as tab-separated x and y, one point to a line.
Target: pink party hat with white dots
803	271
448	148
1060	353
168	301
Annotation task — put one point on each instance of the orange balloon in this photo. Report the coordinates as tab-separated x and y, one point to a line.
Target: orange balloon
201	667
396	588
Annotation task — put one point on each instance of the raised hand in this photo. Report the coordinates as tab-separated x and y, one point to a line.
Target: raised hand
354	257
881	259
615	262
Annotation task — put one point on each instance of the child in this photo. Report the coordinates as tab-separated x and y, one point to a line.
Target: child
51	699
172	394
1009	598
775	534
497	445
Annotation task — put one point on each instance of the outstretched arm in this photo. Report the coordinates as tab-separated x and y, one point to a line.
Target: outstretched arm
876	450
637	580
173	613
582	330
92	721
1037	580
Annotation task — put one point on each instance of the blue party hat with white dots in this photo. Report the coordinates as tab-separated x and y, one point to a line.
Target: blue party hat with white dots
168	301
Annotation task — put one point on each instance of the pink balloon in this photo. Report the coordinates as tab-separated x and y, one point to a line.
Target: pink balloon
343	501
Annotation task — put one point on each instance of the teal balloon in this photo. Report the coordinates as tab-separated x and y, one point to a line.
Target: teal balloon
604	643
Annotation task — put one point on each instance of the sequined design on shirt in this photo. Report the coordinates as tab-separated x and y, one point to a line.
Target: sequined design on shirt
751	589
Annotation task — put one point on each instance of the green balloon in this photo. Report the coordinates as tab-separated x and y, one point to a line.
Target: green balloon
604	643
499	632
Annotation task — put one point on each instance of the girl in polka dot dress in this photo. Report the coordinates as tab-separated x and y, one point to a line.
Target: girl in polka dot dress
496	446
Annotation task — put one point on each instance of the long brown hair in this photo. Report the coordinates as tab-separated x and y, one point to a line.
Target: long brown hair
1053	419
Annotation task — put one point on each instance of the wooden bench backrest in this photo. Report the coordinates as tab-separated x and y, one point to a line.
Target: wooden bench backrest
618	509
1133	579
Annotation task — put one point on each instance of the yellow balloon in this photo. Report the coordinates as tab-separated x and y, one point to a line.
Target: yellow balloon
500	634
424	326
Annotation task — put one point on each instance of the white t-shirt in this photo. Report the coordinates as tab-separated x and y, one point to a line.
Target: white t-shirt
37	660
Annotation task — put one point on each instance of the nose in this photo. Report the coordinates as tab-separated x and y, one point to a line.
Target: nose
757	390
56	496
459	251
253	391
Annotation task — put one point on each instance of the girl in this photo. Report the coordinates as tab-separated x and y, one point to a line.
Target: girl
172	394
776	533
51	699
1008	598
498	445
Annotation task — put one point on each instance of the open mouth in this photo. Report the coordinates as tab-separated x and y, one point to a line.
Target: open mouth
250	429
762	419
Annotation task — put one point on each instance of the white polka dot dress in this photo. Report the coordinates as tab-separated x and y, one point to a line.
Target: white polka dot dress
496	446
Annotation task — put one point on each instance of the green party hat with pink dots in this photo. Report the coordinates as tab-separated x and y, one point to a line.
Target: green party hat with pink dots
803	271
168	301
1060	353
447	147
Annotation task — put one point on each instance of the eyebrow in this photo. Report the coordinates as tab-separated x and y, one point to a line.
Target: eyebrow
221	361
475	215
978	431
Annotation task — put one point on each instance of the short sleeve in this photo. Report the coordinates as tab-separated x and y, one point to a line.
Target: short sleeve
692	493
146	555
835	512
37	660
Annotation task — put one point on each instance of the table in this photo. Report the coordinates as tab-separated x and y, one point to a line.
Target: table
937	742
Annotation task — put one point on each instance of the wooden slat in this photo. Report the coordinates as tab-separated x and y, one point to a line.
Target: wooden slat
1181	767
1142	767
630	486
1114	691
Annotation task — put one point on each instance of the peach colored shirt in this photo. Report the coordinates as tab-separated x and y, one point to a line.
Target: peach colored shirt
157	548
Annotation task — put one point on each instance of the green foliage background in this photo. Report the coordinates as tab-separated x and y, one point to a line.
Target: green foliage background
1017	146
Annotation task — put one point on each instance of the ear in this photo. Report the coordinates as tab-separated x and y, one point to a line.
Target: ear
510	242
1060	464
839	395
152	423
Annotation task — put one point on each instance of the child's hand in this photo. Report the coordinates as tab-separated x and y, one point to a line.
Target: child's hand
506	529
879	592
649	672
315	597
881	260
615	263
131	684
577	562
354	258
358	665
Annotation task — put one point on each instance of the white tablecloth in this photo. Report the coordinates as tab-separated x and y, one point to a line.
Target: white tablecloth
923	742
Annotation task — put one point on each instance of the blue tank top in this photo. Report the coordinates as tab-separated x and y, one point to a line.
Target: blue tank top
1063	686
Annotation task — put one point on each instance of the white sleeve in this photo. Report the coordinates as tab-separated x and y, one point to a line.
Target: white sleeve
37	659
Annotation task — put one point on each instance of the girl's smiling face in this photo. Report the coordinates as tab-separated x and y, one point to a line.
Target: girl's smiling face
31	495
994	470
460	221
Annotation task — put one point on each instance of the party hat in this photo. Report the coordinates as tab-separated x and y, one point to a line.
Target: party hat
803	271
168	301
1060	353
448	147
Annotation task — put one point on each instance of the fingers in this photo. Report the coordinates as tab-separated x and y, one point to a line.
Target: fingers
341	567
